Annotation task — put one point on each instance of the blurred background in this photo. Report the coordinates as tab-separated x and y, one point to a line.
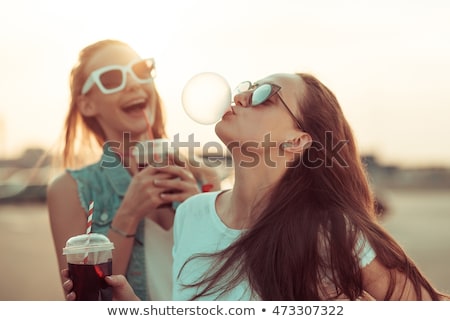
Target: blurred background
386	61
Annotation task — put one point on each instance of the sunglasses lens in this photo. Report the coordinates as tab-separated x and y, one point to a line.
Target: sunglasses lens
111	79
144	69
261	94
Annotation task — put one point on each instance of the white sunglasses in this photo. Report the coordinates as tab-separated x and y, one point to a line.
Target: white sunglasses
113	78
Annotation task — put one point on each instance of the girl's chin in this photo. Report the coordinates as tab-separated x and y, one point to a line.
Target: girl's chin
226	133
137	132
220	132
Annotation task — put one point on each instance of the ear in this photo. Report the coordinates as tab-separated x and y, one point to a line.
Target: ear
86	107
298	144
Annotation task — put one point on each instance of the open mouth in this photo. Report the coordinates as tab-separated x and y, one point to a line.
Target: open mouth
135	107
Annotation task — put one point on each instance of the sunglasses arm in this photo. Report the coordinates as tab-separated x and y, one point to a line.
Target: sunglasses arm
87	85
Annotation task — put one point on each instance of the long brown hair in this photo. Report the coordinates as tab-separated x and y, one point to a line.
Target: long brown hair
80	132
313	220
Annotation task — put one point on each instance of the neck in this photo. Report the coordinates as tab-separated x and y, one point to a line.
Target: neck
248	196
123	151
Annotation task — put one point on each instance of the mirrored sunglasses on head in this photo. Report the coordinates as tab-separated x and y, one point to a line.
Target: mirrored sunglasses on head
111	79
261	93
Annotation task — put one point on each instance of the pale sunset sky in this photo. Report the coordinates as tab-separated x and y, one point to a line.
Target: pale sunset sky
387	61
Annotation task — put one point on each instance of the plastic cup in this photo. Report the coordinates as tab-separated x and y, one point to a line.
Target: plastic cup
89	259
154	152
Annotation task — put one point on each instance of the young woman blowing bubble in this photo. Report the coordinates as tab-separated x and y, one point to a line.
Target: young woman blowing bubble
299	222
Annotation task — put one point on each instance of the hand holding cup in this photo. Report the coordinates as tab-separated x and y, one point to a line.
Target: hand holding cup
89	260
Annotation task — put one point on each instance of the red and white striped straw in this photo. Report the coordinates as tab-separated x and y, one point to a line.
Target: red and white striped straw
89	220
149	126
89	228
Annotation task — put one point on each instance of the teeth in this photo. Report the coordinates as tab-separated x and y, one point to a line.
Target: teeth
134	102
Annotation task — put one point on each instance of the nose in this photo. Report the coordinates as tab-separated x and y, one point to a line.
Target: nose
242	99
131	82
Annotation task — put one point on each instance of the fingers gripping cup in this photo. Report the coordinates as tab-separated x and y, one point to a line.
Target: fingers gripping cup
89	258
156	152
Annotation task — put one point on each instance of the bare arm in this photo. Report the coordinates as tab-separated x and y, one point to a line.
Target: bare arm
67	217
142	199
376	279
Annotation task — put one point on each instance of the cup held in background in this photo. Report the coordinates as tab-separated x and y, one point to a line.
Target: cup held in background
155	152
89	259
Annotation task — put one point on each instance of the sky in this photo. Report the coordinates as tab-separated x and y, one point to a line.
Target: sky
387	61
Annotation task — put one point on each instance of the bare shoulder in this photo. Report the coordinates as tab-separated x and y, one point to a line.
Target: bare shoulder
64	204
62	191
373	272
377	282
66	215
61	184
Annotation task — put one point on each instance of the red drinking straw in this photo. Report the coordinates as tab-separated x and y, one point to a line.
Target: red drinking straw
89	221
149	126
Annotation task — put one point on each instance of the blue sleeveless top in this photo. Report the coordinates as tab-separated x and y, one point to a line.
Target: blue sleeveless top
106	183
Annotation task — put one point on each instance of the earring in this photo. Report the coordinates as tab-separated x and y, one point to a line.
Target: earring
284	145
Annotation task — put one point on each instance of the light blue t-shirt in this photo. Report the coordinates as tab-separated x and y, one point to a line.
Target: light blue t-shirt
198	229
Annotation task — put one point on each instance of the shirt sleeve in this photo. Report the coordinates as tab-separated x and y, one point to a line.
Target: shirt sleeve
364	250
176	227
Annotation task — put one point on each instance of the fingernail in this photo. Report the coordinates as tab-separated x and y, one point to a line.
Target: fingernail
207	187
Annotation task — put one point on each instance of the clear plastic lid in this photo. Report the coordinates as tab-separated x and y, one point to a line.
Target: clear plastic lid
93	242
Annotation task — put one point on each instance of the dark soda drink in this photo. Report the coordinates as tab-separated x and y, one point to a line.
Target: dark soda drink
141	166
156	161
89	281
